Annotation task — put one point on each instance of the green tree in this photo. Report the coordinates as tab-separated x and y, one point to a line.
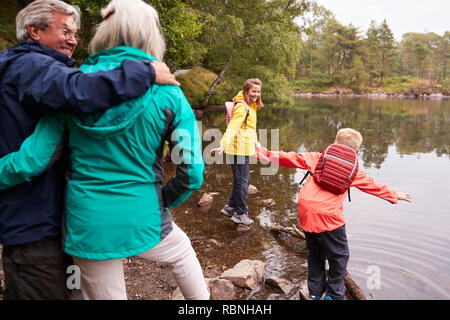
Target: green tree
181	28
421	53
424	55
255	38
380	52
179	25
371	43
444	56
332	51
312	50
386	50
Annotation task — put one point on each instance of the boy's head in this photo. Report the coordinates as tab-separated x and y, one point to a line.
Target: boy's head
349	137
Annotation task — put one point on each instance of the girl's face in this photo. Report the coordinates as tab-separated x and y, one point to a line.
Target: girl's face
254	92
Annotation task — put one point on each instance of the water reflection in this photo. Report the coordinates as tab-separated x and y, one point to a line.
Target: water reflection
406	145
412	125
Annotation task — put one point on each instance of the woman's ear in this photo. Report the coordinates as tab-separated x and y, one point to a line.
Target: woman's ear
34	33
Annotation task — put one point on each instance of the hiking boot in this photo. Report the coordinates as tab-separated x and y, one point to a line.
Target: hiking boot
242	219
228	211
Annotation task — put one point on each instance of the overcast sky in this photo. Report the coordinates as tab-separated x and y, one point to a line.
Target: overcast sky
401	15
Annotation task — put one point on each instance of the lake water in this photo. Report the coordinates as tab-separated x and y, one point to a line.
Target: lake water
396	251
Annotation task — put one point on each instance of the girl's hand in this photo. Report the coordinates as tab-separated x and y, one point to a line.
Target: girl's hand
219	150
258	144
404	196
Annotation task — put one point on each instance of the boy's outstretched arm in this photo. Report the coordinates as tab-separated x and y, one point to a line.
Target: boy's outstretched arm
366	184
404	196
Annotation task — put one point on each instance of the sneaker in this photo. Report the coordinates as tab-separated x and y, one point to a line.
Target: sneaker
327	298
312	297
227	211
242	219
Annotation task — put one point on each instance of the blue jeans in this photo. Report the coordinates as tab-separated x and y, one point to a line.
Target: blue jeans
241	181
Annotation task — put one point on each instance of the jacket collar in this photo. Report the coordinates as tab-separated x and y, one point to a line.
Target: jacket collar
33	46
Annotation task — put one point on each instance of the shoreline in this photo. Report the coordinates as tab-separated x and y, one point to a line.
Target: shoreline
376	96
423	96
381	95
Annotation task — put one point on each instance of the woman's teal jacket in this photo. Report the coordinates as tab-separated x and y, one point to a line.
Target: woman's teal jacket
116	205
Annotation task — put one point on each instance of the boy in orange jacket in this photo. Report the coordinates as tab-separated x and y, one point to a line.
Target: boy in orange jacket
321	216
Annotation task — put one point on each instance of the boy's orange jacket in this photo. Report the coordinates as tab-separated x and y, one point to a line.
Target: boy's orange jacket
320	210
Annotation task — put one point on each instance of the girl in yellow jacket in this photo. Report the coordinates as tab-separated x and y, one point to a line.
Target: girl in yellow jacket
238	143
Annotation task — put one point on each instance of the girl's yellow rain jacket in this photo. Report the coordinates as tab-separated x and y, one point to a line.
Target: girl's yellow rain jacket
237	139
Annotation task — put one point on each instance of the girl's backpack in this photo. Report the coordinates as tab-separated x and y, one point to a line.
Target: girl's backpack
230	108
336	169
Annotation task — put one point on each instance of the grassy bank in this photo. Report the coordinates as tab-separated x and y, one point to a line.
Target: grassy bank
405	85
195	84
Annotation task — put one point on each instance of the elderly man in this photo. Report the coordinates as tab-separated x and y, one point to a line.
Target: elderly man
37	76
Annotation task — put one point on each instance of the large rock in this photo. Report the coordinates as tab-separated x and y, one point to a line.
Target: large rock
205	201
219	289
215	242
252	189
267	202
304	292
279	283
177	295
245	274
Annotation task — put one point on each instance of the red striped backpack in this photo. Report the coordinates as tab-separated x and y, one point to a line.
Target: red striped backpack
336	169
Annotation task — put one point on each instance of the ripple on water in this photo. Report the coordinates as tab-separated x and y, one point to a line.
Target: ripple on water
412	266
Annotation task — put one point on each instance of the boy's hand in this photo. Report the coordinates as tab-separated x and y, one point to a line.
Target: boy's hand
404	196
163	75
219	150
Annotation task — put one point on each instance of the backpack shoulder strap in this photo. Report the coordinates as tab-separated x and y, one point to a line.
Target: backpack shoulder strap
245	104
324	154
305	176
246	107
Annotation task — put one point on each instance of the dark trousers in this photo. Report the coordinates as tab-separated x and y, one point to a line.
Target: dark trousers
36	271
241	181
331	246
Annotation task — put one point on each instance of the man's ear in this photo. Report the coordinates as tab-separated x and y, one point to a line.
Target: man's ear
34	33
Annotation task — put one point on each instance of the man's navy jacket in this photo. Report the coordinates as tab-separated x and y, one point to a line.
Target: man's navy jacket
35	79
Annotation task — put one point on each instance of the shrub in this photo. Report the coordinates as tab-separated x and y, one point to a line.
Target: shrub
195	84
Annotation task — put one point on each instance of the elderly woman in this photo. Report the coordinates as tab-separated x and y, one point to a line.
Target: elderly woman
116	205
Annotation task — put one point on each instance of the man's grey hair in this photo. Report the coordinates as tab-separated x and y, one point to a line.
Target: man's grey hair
39	13
132	23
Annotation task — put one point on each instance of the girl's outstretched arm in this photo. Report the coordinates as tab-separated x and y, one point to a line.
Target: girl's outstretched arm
305	161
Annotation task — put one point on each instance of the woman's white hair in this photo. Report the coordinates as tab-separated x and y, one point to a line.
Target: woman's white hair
39	13
132	23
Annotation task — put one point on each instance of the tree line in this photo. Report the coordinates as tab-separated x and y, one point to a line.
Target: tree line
335	54
279	41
